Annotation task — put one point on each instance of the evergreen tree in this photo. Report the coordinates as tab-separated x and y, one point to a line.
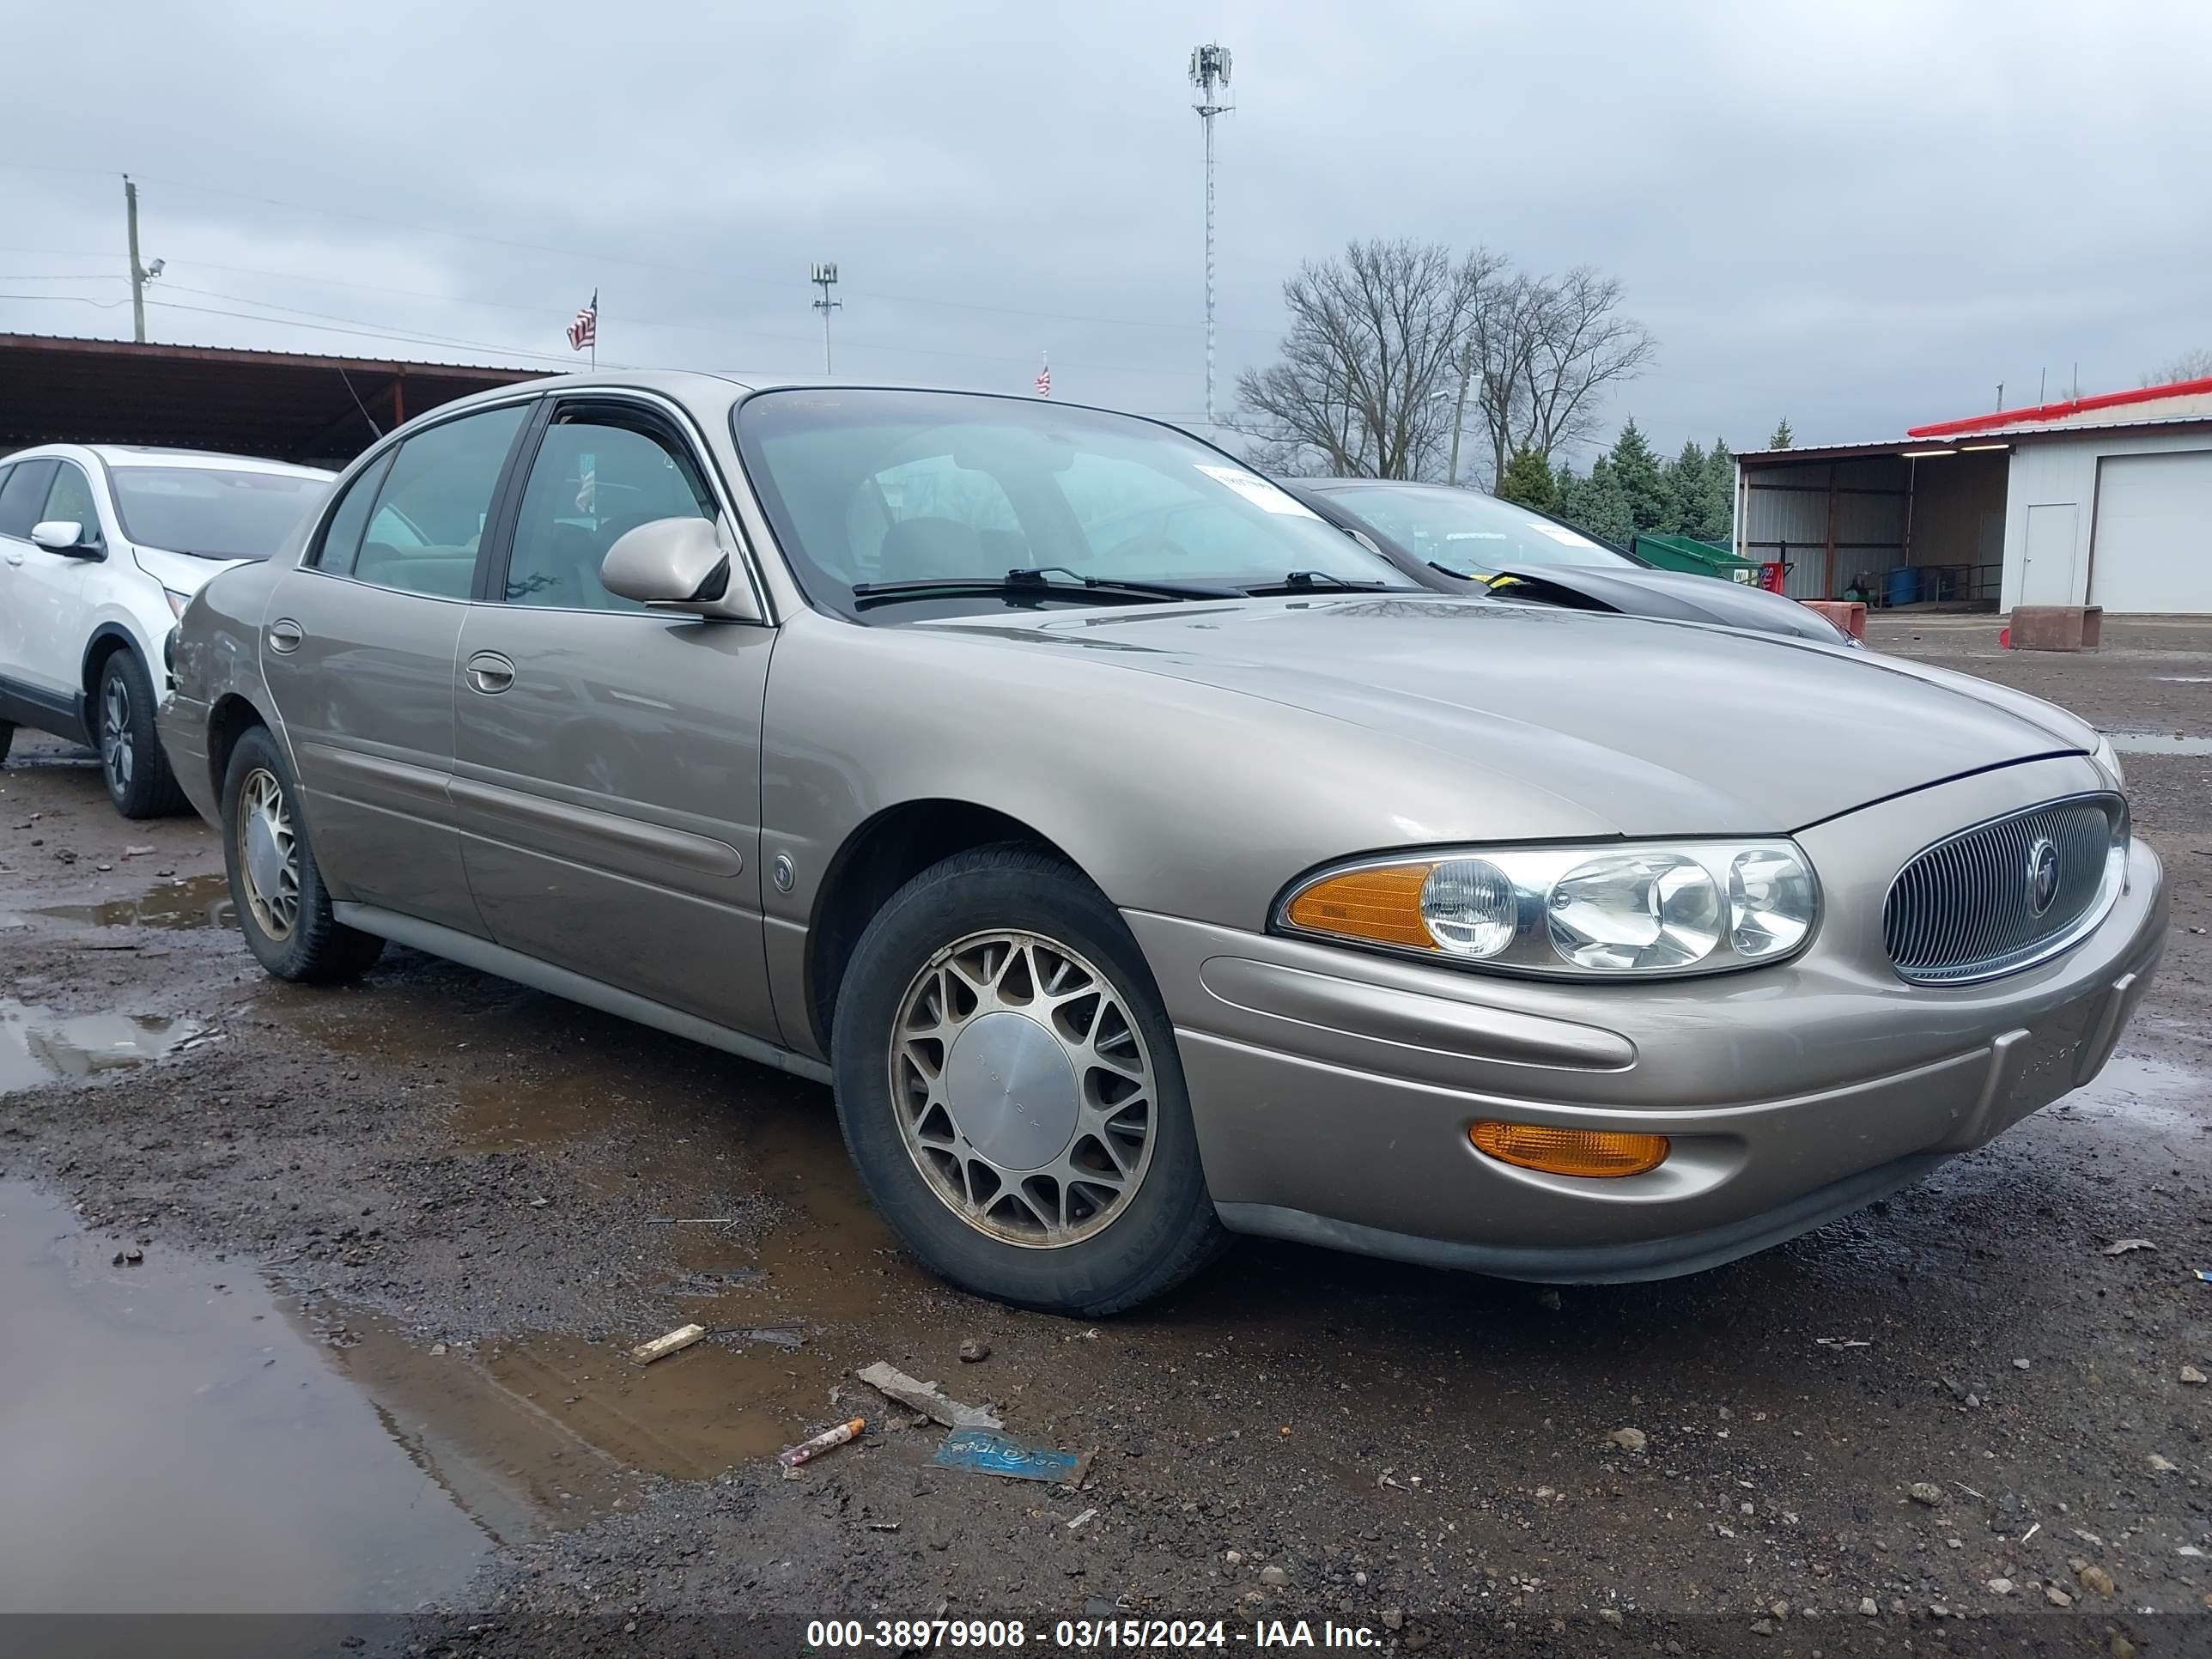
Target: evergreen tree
1685	481
1527	479
1636	476
1717	520
1597	503
1784	437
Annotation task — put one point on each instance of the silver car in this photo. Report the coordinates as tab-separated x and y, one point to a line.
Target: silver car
1142	859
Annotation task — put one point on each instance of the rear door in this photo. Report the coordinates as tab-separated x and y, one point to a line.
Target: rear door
357	647
607	769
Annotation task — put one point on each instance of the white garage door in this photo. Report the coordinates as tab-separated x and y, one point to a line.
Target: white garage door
2154	541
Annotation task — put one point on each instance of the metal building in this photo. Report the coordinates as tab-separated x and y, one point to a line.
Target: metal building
2104	501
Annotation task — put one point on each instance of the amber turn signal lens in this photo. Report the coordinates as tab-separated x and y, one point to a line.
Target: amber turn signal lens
1569	1151
1382	903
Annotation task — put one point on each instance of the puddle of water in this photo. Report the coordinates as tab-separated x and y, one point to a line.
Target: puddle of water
169	1447
39	1046
194	901
2159	742
2171	1099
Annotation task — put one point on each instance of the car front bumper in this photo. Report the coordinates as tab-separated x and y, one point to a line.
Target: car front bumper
1333	1089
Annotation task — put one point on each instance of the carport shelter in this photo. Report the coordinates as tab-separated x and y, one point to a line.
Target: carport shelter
281	405
2104	501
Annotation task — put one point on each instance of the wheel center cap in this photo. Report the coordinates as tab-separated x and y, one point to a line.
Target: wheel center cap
1013	1090
263	861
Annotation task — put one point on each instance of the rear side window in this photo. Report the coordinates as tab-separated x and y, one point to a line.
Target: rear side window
23	496
341	538
422	535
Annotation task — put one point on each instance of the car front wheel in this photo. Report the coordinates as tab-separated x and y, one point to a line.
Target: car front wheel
276	887
131	760
1008	1085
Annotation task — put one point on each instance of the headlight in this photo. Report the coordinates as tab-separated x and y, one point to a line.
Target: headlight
2107	759
1631	910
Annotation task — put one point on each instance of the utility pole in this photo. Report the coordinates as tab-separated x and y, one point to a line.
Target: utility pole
139	274
825	278
1209	73
1459	409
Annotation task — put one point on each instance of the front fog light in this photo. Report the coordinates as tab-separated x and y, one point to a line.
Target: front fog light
1469	907
1770	903
1636	910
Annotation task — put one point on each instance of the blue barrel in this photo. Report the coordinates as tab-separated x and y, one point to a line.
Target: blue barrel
1902	585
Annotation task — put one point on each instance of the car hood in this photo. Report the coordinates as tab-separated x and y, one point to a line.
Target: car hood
1674	594
1650	728
181	573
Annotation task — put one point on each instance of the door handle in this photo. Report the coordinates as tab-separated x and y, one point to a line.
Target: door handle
490	673
285	635
15	555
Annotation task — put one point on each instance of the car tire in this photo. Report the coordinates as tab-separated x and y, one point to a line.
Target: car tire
1072	1012
276	887
131	760
7	739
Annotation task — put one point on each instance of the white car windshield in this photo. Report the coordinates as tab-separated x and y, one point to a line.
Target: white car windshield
870	489
212	513
1466	531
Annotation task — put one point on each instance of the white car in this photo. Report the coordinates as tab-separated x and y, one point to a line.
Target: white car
100	546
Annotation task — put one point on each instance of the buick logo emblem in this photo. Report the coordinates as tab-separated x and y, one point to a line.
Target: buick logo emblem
2042	875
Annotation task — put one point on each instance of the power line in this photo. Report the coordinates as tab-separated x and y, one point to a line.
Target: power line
717	273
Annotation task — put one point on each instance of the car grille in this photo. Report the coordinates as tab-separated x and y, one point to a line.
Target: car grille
1966	909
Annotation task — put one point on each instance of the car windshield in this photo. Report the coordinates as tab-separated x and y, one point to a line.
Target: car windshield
1466	531
212	513
867	488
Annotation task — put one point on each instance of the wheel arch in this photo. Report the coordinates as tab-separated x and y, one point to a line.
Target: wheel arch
107	640
233	716
880	856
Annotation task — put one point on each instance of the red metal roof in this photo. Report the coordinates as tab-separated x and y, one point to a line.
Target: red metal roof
2058	411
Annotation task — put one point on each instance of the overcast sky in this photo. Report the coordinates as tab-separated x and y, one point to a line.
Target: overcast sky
1863	216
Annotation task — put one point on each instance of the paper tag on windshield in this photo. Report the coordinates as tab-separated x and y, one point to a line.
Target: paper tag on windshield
1258	491
1560	532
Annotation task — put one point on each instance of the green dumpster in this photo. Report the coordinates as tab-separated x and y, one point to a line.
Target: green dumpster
1697	558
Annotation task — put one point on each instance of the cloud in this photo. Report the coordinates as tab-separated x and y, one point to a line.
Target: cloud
1861	217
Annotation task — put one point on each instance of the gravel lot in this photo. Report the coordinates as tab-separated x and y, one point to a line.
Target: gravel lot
395	1240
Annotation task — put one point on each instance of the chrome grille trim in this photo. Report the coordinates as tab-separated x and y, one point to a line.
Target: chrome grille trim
1961	911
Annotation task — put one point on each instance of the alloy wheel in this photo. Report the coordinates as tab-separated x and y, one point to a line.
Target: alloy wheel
268	854
1023	1088
117	759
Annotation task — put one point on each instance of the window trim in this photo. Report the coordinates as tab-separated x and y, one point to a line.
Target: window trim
388	446
675	423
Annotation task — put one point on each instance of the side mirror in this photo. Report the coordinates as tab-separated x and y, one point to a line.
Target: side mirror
681	564
64	535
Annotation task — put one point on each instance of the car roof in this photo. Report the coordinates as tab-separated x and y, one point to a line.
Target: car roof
128	455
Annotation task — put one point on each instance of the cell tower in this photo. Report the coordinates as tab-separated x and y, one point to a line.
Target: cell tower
1209	75
825	278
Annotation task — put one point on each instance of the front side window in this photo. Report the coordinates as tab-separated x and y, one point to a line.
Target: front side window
71	498
869	487
228	513
429	516
21	495
597	476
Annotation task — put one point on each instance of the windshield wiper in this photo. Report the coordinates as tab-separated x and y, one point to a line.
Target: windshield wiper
1308	581
1028	584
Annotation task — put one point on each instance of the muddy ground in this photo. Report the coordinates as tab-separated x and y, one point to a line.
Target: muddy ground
318	1303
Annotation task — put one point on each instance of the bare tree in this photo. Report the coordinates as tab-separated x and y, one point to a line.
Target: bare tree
1372	360
2189	366
1547	350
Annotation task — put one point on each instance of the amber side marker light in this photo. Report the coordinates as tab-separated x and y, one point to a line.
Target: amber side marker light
1569	1151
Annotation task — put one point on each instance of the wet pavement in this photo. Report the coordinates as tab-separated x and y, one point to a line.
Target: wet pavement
442	1209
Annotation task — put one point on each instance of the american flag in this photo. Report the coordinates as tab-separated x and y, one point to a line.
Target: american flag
1044	381
585	330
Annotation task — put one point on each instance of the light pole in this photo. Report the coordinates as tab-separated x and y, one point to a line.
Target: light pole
1209	74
